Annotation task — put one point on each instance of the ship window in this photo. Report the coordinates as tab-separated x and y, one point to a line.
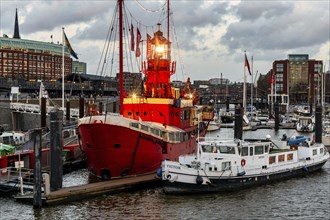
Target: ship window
225	165
245	151
321	150
272	159
251	151
177	136
145	128
227	150
258	150
281	158
207	148
171	136
135	125
289	157
129	113
314	152
137	113
145	113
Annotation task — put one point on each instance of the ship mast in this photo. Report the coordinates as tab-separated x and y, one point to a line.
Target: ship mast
121	63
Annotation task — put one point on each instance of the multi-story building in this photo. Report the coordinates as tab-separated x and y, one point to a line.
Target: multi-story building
32	60
79	67
298	77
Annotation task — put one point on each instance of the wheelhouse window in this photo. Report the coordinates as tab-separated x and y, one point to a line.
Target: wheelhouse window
281	158
245	151
145	128
258	150
314	152
227	150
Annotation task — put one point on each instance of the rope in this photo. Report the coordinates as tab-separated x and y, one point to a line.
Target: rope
149	10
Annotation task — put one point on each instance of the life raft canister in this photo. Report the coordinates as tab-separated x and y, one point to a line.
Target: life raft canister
243	162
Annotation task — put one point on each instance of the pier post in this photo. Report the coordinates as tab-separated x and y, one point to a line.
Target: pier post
318	124
277	116
100	107
238	127
81	107
310	109
227	104
68	110
37	172
43	112
56	146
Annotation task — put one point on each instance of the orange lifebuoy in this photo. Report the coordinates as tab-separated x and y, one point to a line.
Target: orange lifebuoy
243	162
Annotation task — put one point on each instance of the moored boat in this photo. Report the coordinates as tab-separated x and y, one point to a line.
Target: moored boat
160	123
305	124
227	165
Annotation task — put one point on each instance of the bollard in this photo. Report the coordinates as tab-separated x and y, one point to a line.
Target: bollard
56	146
37	182
277	116
318	124
238	127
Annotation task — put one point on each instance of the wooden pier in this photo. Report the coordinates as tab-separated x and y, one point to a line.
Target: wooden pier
91	190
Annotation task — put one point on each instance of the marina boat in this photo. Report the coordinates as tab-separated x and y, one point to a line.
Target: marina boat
305	124
227	165
227	117
162	122
215	124
326	133
13	137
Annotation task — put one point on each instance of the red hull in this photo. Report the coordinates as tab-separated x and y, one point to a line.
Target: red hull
115	151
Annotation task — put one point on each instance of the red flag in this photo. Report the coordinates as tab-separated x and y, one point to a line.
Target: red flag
132	37
247	64
138	39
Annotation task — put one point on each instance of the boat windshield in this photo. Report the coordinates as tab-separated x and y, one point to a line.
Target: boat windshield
218	149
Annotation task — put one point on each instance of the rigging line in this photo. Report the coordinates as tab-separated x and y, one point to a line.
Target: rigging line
179	54
138	21
106	43
149	10
112	45
128	43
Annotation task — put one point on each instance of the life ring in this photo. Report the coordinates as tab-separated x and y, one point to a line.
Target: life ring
98	121
243	162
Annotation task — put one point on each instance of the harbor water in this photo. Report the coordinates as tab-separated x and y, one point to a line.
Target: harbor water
305	197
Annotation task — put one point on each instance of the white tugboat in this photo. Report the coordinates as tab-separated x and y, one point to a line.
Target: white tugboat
225	165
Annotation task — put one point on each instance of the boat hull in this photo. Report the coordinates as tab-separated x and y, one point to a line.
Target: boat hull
114	151
224	184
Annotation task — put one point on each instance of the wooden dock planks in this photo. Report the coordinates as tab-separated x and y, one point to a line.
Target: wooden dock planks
91	190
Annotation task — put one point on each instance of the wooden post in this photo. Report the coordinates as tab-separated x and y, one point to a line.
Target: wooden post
277	116
43	112
238	128
68	110
37	172
81	107
56	146
318	124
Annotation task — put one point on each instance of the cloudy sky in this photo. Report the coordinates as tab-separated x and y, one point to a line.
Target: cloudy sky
210	36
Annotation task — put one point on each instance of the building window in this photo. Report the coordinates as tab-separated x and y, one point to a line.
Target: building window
317	68
279	77
279	87
279	67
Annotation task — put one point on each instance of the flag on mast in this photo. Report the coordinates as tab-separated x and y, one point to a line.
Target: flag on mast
70	50
247	64
132	37
138	39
